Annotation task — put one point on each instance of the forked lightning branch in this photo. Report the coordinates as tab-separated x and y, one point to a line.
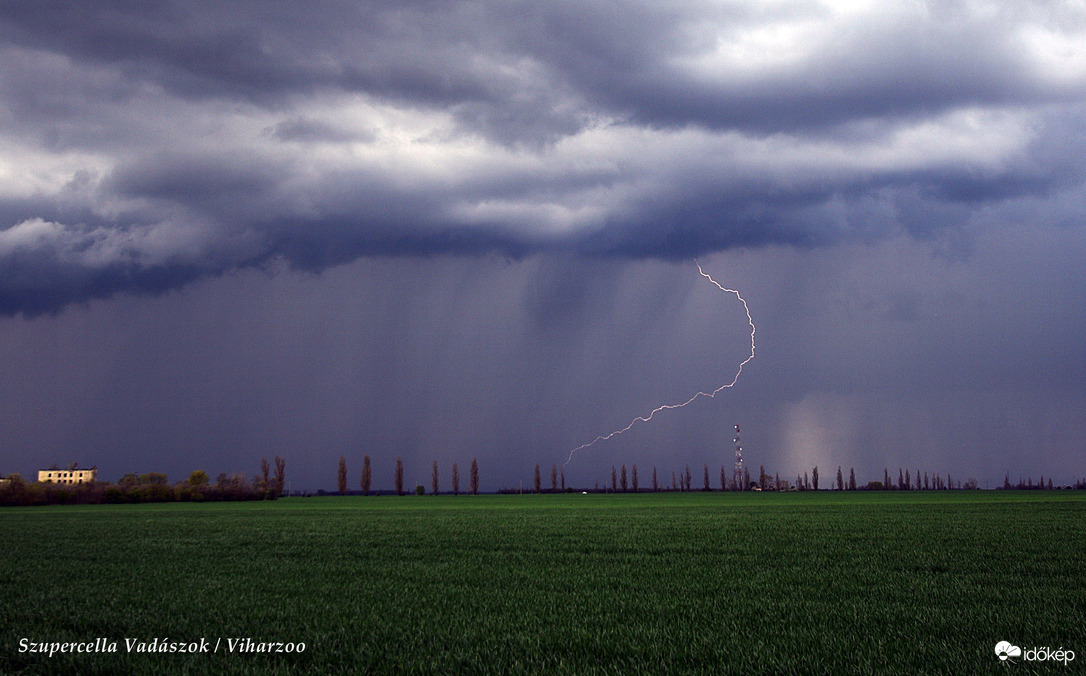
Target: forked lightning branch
667	407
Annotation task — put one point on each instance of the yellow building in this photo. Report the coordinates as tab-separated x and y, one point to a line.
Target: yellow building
68	476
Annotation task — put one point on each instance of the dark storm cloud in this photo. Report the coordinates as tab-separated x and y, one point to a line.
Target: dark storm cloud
617	58
161	142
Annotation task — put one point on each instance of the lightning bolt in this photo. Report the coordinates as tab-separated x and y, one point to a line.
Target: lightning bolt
710	395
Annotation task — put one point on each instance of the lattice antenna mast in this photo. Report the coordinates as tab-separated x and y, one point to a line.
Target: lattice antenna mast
737	473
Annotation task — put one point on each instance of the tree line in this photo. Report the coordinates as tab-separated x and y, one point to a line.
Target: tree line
366	478
150	487
623	481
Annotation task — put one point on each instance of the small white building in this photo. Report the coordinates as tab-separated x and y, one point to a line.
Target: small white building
72	475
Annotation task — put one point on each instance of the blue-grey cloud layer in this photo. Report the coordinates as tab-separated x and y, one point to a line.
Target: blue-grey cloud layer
144	146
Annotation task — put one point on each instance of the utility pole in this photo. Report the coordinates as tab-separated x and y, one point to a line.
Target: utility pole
737	473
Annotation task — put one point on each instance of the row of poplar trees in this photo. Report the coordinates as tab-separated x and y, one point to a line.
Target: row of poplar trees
366	480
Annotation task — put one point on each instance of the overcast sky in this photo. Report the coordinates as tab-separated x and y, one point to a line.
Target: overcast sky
468	229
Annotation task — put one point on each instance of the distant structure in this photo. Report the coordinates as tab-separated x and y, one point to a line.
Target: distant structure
72	475
737	473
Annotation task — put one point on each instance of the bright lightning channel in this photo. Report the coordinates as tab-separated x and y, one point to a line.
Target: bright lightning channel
710	395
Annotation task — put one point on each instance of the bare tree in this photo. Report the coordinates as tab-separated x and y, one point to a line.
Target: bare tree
341	476
705	486
852	478
473	478
398	479
456	479
634	478
536	480
554	478
840	480
674	487
434	482
688	478
814	477
623	480
562	472
655	484
806	482
900	480
723	479
614	480
280	474
367	475
908	481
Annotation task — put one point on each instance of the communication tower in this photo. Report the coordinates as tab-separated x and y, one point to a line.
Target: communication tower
737	473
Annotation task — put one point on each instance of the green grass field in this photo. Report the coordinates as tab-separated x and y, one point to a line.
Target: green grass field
701	583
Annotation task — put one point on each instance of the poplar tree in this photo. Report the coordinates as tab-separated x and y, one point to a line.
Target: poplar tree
473	477
622	481
554	478
264	469
280	474
398	478
366	474
456	479
341	476
434	478
634	478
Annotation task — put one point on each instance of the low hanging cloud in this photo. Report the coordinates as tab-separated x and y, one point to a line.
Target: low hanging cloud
146	147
